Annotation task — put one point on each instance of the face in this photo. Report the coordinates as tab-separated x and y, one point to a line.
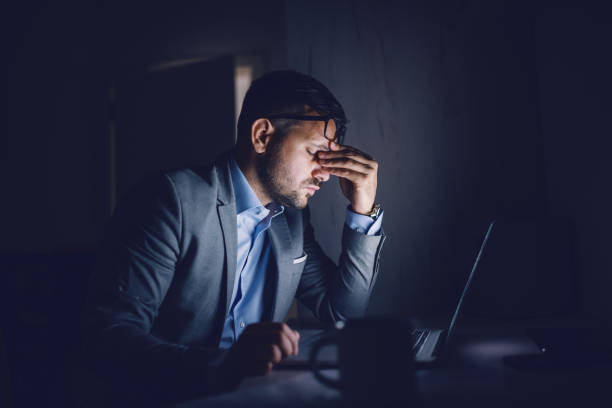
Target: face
288	170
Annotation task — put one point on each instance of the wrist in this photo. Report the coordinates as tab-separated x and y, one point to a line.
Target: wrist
371	212
363	210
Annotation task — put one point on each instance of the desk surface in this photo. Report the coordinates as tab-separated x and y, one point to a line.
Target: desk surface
474	374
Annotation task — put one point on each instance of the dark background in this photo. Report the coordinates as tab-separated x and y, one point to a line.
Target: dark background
475	110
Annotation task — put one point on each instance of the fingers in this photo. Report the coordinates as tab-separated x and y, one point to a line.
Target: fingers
353	176
348	157
293	337
261	358
262	345
353	155
347	167
276	333
284	343
348	163
274	354
287	340
335	147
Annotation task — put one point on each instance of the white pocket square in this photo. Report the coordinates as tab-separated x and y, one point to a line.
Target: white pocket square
300	259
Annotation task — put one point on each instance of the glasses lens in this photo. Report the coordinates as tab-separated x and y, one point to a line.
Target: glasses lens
329	133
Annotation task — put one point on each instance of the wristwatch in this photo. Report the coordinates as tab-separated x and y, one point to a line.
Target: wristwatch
375	211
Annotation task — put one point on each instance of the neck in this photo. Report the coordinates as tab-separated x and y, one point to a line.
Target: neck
246	162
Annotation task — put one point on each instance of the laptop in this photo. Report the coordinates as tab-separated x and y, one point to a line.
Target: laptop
429	344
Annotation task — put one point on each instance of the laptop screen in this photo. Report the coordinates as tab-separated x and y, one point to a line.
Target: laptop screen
469	280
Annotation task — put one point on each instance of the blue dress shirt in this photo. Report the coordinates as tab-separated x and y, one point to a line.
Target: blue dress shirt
249	297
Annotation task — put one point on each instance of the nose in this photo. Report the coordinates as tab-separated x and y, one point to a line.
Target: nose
320	174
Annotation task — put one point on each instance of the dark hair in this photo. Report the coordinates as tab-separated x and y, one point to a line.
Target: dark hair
288	92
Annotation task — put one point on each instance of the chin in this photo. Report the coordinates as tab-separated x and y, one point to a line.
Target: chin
301	204
294	200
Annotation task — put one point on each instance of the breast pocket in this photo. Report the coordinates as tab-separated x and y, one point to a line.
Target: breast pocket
296	265
300	259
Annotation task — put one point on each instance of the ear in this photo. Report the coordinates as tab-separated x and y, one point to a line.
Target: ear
261	131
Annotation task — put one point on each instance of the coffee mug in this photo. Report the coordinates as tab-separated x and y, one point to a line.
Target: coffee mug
375	361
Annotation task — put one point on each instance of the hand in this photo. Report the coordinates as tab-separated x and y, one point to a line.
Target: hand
357	172
259	348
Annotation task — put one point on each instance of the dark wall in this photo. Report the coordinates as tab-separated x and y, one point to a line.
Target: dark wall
63	58
444	95
574	63
55	126
475	110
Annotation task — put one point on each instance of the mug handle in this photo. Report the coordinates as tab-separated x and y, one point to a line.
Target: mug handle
315	364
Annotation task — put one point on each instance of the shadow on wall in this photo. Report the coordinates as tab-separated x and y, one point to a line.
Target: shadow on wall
526	271
443	95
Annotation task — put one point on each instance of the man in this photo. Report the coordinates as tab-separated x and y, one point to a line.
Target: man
200	266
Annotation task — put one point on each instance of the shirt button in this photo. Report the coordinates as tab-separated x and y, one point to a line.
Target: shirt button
242	325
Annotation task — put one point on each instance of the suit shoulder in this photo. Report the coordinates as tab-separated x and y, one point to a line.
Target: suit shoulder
186	178
202	179
195	185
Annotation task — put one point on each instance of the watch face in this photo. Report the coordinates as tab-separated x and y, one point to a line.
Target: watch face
375	211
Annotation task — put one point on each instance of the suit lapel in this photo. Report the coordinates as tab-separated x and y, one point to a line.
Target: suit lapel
227	217
226	209
280	239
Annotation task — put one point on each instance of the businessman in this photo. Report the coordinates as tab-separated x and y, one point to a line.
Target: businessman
199	266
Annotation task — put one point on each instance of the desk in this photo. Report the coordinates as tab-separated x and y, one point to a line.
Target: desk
474	375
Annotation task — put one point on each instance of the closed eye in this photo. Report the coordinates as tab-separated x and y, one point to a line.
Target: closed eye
314	148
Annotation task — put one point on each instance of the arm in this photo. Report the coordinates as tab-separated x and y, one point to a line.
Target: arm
135	268
339	292
342	292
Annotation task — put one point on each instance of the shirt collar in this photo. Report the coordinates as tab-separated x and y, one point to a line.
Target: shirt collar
245	196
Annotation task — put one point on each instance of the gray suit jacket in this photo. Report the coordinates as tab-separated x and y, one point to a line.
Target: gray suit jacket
161	289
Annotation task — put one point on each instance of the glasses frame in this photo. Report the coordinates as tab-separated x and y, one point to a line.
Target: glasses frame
326	118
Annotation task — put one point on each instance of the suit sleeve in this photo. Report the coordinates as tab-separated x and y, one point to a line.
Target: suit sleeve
339	292
135	268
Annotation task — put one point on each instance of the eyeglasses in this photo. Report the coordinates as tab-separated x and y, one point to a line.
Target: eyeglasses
340	129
